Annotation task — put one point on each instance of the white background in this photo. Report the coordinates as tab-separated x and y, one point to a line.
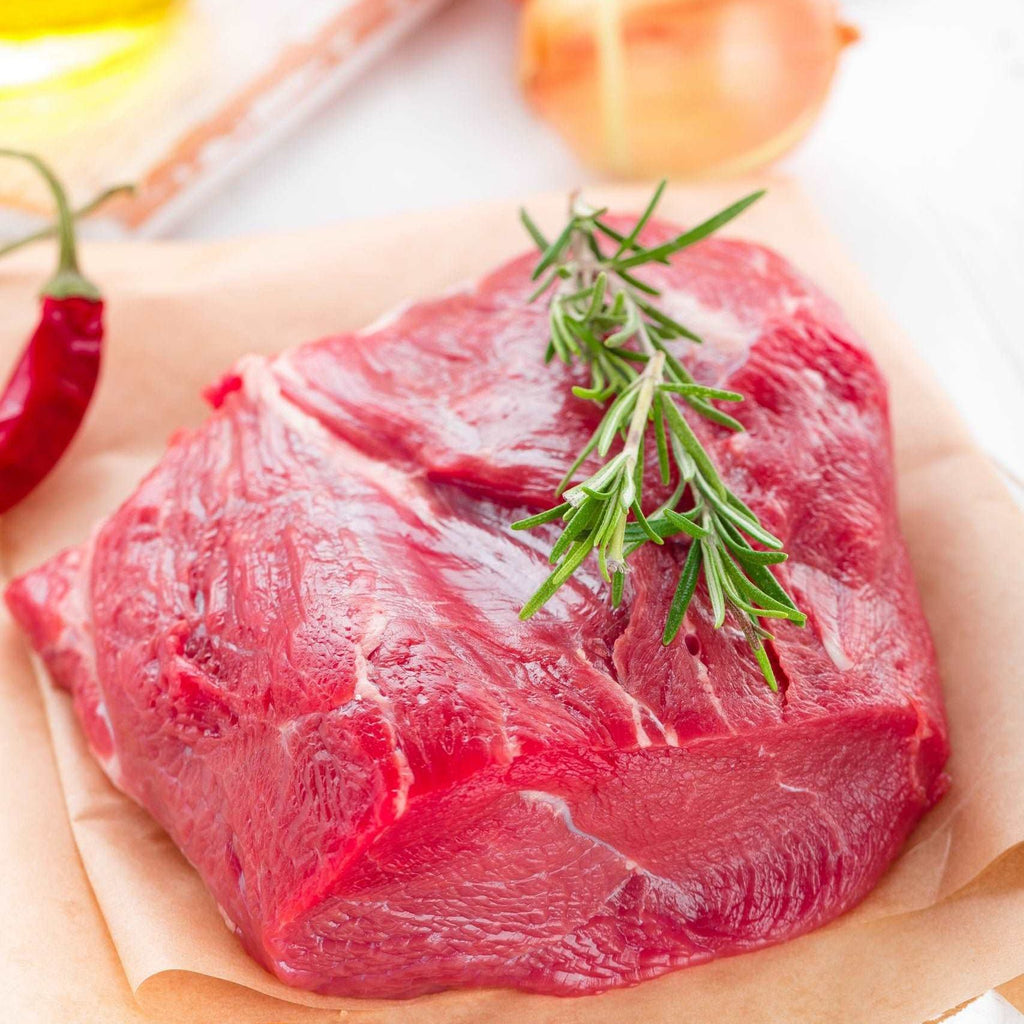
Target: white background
917	163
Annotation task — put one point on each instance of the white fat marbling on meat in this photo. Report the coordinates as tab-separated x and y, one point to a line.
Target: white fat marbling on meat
719	327
563	811
833	648
365	689
405	779
262	380
793	304
814	378
824	595
704	678
637	709
372	632
642	739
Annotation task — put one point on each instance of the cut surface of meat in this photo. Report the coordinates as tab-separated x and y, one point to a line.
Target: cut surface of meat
297	645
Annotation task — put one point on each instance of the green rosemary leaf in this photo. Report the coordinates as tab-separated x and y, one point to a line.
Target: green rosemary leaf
595	250
709	412
583	333
763	577
641	519
630	356
661	525
625	333
565	347
609	517
652	205
688	238
542	517
554	250
605	317
615	544
659	436
543	286
740	507
583	518
713	578
605	532
683	594
605	475
597	299
765	664
747	556
617	236
683	524
635	282
533	231
607	229
638	469
665	320
701	391
744	553
576	297
748	525
681	429
745	591
572	561
614	420
681	375
618	579
595	394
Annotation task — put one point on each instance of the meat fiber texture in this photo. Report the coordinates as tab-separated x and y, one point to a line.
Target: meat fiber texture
297	646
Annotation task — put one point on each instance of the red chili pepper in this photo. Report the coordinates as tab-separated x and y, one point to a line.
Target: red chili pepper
46	397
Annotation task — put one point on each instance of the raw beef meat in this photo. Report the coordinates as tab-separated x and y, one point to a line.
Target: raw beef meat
297	646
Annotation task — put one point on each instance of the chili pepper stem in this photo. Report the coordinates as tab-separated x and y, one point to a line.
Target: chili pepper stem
68	282
78	213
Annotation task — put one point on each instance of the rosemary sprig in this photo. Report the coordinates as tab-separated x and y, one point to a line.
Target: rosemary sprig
604	316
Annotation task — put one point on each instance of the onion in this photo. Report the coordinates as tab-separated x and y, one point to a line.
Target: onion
644	88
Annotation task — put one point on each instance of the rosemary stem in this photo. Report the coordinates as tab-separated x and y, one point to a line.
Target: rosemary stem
647	346
671	501
604	317
81	212
649	379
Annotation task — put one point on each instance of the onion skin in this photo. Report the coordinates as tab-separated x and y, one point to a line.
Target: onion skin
684	88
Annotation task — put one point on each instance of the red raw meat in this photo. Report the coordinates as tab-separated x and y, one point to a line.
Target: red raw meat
297	646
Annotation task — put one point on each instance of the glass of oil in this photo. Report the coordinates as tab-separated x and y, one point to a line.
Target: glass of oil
44	43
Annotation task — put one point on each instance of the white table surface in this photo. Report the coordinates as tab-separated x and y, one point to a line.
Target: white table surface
917	163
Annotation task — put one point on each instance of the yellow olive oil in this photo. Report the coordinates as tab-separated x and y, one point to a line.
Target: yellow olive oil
53	43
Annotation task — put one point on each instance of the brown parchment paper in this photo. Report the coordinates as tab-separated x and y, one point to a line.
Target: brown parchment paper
103	920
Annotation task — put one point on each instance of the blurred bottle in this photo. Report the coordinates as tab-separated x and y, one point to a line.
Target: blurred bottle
686	88
57	41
